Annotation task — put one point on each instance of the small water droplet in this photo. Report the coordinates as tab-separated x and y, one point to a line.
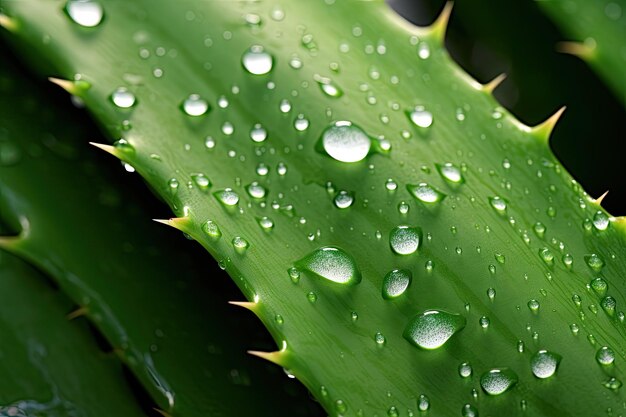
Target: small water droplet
403	207
608	304
421	117
328	87
594	262
227	196
86	13
433	328
379	338
544	363
484	322
284	106
354	316
612	383
469	410
423	403
258	133
491	293
194	105
343	199
600	221
498	203
345	142
391	185
301	123
312	297
212	229
123	98
393	412
172	183
201	181
266	223
332	264
256	61
540	229
396	283
497	381
256	190
533	305
405	240
546	255
465	370
426	193
605	355
279	319
450	172
568	260
341	406
599	286
294	275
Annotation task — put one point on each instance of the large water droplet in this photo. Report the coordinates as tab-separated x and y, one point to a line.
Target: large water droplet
425	193
605	355
343	199
212	229
497	381
86	13
421	117
240	244
433	328
405	240
123	98
333	264
498	203
396	283
600	221
194	105
450	172
256	61
345	142
227	196
594	262
201	180
544	363
258	133
256	190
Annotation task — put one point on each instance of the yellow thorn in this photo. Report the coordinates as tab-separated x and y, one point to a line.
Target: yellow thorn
274	357
162	412
7	242
8	23
79	312
599	200
179	223
544	129
439	26
583	50
107	148
493	84
67	85
246	304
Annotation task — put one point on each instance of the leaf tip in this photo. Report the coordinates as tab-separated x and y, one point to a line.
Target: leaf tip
599	200
277	357
107	148
583	50
252	306
179	223
8	23
79	312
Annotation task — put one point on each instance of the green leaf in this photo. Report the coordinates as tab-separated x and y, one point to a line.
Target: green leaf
597	30
154	303
325	141
49	365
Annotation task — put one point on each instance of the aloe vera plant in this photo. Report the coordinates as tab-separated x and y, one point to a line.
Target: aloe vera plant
131	288
409	244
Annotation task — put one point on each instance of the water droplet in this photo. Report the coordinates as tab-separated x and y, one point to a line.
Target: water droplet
86	13
465	370
256	61
258	133
343	199
301	123
533	305
403	207
605	355
500	258
345	142
608	304
497	381
227	196
279	319
266	223
340	406
211	229
433	328
540	229
123	98
521	346
312	297
425	193
333	264
568	260
391	185
612	383
450	172
194	105
546	255
172	183
498	203
256	190
421	117
484	322
491	293
379	338
469	410
423	403
396	283
600	286
284	106
405	240
228	128
600	221
294	274
594	262
328	87
393	412
201	181
544	363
